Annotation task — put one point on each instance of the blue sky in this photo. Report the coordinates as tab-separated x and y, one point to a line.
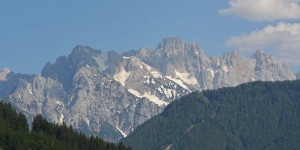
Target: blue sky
34	32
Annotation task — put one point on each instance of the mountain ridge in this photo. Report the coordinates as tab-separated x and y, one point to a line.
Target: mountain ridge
130	88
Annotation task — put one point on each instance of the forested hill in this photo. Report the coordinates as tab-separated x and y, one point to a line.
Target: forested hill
15	135
259	115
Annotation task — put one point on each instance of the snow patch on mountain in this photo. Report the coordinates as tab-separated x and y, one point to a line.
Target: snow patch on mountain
168	92
147	81
169	147
154	73
186	77
178	81
212	72
225	68
122	76
149	96
123	133
87	121
59	103
29	89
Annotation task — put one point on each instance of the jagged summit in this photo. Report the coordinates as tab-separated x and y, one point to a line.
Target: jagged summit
174	55
259	54
175	45
171	42
260	51
65	67
84	50
262	57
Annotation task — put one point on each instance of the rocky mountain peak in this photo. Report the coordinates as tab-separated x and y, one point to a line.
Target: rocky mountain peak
171	42
65	67
4	73
268	67
262	58
81	49
84	55
260	54
80	55
173	54
232	58
174	46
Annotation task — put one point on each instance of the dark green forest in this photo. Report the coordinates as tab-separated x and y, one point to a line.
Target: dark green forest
252	116
16	135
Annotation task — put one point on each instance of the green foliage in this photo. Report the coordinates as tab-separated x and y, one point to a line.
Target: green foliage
259	115
15	134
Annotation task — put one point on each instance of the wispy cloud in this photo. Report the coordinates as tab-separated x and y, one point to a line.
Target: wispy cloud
261	10
282	40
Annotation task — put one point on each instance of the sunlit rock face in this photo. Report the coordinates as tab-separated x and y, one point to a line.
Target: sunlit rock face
110	94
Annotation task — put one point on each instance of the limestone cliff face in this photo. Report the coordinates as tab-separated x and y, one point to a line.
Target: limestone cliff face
108	94
188	63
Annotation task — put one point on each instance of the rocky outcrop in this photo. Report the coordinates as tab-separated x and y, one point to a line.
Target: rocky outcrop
34	95
99	105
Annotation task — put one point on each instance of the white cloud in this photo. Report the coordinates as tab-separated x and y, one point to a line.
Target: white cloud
282	41
260	10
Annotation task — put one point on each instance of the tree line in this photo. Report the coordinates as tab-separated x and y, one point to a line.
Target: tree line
16	135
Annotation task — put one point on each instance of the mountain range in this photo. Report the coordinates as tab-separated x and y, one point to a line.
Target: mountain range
110	94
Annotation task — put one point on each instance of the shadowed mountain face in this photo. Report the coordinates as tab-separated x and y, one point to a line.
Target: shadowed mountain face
259	115
109	94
